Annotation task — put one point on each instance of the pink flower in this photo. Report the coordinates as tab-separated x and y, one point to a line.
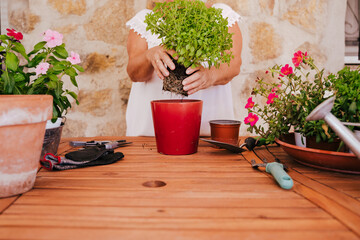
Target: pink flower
286	70
74	58
250	103
298	58
271	98
251	119
12	33
52	38
42	68
276	88
306	56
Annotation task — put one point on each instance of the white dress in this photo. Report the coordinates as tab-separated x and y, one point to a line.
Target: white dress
217	100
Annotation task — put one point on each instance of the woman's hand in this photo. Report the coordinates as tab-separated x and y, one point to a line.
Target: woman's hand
200	79
159	59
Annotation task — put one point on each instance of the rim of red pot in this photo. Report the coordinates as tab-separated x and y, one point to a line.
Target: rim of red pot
176	101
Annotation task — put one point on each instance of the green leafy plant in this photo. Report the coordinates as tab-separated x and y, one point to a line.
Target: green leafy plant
346	86
291	96
197	33
41	70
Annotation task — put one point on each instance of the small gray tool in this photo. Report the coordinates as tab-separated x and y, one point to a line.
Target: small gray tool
277	170
93	143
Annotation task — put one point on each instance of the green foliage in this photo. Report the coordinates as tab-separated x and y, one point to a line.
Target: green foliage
346	85
197	33
19	78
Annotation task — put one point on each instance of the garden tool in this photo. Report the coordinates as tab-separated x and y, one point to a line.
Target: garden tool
91	156
94	143
277	170
250	143
286	168
115	144
323	112
227	146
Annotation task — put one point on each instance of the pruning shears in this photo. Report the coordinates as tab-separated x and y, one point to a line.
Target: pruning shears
106	144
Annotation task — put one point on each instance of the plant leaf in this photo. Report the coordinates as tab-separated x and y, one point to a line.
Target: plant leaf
73	80
81	69
36	60
11	61
74	96
37	47
18	47
61	52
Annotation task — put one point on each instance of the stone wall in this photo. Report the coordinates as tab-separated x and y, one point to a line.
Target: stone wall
272	31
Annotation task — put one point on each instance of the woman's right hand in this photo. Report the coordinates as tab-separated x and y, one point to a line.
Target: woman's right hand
159	57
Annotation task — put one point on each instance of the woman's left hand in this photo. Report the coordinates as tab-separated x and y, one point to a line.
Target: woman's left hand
200	79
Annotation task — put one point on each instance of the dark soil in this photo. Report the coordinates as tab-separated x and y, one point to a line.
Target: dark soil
173	82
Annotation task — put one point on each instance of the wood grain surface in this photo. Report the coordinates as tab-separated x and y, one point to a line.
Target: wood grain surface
212	194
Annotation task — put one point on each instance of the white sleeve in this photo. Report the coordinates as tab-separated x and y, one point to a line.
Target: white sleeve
228	12
139	26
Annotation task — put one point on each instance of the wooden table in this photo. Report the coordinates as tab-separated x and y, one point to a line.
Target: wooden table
213	194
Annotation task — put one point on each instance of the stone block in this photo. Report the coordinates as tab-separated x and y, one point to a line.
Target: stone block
96	62
267	6
65	7
23	20
74	128
112	128
67	29
95	102
108	22
307	14
265	43
124	90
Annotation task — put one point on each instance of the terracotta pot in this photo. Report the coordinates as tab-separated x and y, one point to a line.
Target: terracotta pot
22	127
317	158
177	125
225	131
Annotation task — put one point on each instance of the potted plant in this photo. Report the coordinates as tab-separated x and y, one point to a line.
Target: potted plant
40	72
198	34
346	86
291	96
31	92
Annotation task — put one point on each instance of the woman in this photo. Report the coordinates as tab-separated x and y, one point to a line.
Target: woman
146	68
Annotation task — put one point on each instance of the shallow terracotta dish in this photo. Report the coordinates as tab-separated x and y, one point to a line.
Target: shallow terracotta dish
322	159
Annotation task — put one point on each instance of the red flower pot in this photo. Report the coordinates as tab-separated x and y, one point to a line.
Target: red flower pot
177	125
